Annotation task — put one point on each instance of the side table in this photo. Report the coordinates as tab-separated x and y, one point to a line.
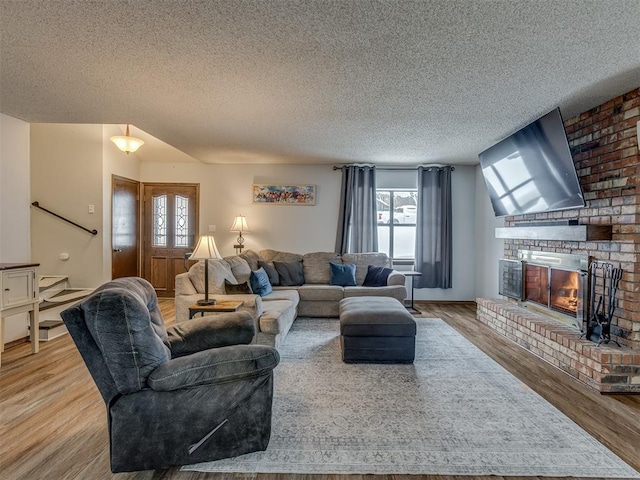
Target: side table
227	306
413	274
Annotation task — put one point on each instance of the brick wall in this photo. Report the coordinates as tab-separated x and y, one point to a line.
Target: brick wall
605	151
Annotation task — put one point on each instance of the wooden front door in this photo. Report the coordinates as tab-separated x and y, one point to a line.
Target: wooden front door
170	231
125	227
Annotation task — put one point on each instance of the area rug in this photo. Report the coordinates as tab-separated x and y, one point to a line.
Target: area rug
453	412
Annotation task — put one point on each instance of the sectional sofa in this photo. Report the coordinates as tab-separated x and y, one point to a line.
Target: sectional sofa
275	312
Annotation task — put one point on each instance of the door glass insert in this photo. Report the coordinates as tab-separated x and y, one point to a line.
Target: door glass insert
182	222
160	221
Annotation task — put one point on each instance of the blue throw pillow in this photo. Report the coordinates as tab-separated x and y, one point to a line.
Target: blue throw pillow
260	282
343	274
376	276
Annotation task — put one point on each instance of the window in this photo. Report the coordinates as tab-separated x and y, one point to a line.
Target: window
396	212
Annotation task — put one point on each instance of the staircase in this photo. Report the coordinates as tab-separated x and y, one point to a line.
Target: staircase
56	295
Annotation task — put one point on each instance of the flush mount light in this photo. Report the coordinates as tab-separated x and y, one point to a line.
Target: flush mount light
127	143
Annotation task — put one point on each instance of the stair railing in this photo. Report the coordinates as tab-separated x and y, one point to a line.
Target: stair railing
92	232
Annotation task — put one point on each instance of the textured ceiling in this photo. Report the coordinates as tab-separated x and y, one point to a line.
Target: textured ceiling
324	81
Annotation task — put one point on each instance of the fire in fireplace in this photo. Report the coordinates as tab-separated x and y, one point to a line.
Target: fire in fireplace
556	282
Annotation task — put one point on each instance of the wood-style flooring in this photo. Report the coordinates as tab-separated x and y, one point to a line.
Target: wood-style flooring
53	420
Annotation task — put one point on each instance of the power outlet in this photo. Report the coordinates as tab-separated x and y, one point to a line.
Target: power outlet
212	228
92	209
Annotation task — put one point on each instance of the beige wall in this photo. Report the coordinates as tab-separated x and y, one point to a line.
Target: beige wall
225	191
114	162
14	206
67	177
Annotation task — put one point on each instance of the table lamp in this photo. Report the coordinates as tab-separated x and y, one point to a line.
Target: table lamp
206	249
239	225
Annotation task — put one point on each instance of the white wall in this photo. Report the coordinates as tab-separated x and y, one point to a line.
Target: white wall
67	177
225	191
488	249
463	180
14	206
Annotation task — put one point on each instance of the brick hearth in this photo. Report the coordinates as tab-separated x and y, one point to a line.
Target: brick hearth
607	368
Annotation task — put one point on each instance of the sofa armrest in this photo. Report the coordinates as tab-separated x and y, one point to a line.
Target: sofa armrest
222	330
214	366
396	278
184	286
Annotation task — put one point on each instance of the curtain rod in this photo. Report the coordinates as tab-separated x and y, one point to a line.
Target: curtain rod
391	168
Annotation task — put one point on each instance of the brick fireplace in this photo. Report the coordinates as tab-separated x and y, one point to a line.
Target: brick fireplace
605	152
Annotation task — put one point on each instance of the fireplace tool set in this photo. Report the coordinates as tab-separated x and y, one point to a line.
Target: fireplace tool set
600	315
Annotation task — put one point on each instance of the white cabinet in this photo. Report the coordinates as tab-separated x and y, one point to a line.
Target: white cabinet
19	294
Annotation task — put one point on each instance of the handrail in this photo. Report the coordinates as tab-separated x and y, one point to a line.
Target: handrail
92	232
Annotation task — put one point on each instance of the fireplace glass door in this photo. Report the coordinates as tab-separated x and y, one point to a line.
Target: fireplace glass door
553	288
564	291
536	285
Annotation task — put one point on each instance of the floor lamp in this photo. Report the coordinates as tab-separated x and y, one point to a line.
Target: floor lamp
206	249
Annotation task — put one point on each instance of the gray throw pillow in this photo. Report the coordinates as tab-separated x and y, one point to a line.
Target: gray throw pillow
290	273
272	273
237	288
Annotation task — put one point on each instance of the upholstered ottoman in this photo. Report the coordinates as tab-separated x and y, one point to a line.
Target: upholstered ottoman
376	330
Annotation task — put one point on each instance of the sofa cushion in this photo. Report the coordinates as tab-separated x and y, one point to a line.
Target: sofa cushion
332	293
343	274
239	267
280	293
376	276
396	291
251	258
237	288
315	267
272	273
269	255
260	282
290	273
219	271
363	260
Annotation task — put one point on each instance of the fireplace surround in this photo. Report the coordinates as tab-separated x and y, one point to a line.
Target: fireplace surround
553	284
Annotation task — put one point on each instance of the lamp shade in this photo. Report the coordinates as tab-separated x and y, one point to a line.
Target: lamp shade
240	224
127	143
205	249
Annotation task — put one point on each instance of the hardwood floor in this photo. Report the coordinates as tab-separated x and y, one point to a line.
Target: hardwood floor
53	420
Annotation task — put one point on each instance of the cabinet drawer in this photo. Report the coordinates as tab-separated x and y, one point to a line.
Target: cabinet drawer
17	287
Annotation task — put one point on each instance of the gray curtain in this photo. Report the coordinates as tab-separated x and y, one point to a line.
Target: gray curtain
357	226
433	235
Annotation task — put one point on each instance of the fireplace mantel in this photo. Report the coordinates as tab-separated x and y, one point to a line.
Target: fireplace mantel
576	233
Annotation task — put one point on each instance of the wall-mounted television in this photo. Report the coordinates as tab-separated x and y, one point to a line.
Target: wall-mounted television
532	170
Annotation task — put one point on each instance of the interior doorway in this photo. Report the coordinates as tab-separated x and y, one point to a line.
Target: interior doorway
170	213
125	227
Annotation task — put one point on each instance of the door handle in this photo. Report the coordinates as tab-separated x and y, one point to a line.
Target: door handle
117	250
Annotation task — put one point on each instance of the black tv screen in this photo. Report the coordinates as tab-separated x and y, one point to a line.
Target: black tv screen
532	170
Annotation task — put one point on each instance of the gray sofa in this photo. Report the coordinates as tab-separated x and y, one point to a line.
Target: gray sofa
275	313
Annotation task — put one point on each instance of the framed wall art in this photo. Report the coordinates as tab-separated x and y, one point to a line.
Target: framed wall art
284	194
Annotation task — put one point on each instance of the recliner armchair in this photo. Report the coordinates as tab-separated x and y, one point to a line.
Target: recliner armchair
192	393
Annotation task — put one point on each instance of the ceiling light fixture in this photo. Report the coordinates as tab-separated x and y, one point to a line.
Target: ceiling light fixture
127	143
